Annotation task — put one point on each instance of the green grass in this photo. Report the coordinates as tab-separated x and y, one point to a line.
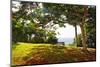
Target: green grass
28	53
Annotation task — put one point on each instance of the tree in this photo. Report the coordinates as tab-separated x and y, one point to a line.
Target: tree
31	20
79	40
19	19
91	27
51	37
50	14
74	14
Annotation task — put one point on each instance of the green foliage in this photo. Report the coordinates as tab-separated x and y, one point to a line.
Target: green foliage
79	40
52	39
31	20
72	45
91	28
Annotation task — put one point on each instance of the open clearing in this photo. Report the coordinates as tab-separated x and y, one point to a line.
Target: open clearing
32	54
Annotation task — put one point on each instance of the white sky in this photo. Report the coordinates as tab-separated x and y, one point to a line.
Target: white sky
67	32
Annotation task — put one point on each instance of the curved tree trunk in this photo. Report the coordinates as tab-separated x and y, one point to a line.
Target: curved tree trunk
83	37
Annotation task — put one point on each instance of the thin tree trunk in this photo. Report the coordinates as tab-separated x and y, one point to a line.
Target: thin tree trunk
83	37
76	35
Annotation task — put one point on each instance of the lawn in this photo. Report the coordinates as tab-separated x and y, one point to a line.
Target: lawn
32	54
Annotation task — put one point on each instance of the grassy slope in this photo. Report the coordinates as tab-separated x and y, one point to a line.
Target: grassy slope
27	53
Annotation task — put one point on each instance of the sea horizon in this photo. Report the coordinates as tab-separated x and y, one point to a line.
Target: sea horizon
66	40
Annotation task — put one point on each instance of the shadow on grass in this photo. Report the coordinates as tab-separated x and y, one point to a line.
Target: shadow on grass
54	54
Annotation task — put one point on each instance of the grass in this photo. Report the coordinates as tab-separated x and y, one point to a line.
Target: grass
28	54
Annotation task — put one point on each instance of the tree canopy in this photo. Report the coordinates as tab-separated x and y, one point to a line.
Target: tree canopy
35	22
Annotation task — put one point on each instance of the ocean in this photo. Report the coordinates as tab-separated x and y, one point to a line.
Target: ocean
66	40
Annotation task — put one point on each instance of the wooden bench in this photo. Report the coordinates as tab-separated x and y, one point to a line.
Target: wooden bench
61	43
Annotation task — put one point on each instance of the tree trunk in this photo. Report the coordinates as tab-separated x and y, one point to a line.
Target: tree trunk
83	37
82	26
76	35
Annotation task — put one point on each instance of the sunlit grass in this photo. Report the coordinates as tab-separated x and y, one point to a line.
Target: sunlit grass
21	50
28	53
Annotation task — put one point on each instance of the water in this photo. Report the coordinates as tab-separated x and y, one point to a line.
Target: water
66	40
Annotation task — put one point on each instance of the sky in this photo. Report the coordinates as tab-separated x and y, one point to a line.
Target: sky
67	32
